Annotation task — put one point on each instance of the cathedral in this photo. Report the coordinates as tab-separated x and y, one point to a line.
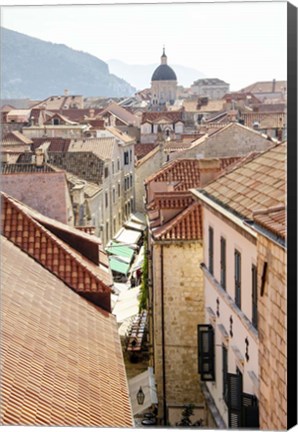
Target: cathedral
163	84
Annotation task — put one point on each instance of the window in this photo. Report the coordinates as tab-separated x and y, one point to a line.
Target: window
223	262
56	121
238	278
119	189
130	178
118	164
114	195
132	204
206	352
225	373
106	199
126	158
254	276
113	167
210	251
114	225
130	155
106	172
119	218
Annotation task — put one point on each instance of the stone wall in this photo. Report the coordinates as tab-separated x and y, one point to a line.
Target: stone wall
235	140
150	165
272	308
183	310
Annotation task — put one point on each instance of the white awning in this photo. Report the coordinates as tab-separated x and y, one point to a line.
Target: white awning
138	218
127	304
128	237
138	261
135	226
147	382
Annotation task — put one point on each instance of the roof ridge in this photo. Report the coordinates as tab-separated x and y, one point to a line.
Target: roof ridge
86	273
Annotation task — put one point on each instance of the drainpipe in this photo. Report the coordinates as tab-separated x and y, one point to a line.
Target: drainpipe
163	338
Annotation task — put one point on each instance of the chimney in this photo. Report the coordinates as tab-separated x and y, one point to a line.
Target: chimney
65	92
273	85
91	112
39	157
209	169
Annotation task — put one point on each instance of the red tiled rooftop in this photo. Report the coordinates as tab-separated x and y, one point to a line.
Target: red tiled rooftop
172	116
187	225
55	144
187	172
274	220
61	357
259	183
80	274
142	150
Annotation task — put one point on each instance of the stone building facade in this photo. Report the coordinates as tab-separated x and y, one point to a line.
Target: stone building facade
213	88
178	305
272	308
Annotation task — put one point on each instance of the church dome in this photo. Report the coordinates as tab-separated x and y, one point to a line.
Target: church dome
164	73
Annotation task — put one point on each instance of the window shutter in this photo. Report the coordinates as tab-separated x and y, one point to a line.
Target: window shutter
250	411
206	352
234	400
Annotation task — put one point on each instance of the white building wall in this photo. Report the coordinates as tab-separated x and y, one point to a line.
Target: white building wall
242	327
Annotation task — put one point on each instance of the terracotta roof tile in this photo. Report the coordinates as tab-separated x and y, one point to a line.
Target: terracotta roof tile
142	150
187	225
153	117
16	168
101	147
55	144
187	172
273	220
61	356
26	232
259	183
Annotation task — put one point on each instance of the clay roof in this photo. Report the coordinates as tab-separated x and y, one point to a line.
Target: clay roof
101	147
36	239
187	225
61	117
54	144
154	117
259	183
142	150
266	87
121	113
16	168
273	219
61	357
120	135
265	120
186	173
15	138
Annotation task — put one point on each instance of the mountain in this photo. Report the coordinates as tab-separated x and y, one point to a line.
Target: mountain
140	75
32	68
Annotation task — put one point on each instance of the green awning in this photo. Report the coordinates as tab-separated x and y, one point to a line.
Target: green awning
122	251
119	266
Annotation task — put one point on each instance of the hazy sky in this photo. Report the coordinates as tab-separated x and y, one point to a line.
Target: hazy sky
239	42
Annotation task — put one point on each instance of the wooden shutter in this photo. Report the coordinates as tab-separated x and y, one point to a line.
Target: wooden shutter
250	411
211	250
234	400
223	262
206	352
254	296
238	278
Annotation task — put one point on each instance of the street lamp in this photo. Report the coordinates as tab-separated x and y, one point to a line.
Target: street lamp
140	396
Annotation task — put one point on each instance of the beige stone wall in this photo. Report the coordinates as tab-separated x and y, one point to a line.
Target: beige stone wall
272	337
233	141
144	170
183	310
